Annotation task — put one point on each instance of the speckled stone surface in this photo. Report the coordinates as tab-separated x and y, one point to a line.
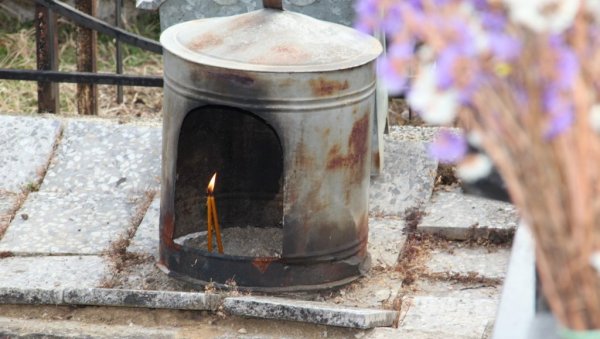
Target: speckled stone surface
458	216
146	237
386	239
8	201
26	145
136	298
52	272
63	223
307	311
407	178
456	317
484	262
102	157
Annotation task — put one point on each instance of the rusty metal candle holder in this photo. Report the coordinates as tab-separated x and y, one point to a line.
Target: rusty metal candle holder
280	105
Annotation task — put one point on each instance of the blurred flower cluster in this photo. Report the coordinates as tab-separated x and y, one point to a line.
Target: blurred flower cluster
521	78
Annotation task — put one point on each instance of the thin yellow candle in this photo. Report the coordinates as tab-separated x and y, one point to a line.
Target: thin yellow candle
209	226
216	225
213	219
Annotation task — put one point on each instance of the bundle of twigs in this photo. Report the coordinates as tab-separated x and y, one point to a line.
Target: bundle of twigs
523	79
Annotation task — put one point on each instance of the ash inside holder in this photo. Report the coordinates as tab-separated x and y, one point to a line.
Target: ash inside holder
241	241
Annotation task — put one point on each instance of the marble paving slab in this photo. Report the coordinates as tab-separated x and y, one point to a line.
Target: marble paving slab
485	263
146	237
26	145
52	272
455	317
62	223
407	179
459	216
103	157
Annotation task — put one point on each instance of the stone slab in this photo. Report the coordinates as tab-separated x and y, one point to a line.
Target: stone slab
30	296
386	239
307	311
61	223
398	333
52	272
458	216
486	263
407	179
462	318
8	202
105	157
36	328
146	236
138	298
26	145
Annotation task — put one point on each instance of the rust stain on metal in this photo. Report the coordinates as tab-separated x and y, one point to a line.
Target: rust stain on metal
377	159
236	78
262	264
205	41
168	229
357	149
323	87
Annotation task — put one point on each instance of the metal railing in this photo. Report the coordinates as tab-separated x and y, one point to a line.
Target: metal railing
47	74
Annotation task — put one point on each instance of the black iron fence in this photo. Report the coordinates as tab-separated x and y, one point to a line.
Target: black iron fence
47	74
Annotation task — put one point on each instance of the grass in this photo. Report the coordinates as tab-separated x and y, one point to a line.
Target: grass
17	51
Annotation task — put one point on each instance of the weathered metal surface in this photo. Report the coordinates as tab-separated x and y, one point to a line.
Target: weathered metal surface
81	77
176	11
273	4
47	58
294	136
98	25
119	49
271	41
87	94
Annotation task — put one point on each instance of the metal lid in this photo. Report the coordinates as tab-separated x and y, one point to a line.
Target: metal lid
270	40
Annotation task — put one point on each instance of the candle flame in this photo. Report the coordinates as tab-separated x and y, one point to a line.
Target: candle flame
211	184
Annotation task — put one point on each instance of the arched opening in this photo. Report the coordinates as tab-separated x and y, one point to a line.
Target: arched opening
247	156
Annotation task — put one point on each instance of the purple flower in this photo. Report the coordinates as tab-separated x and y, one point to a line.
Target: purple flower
448	147
445	68
395	82
504	47
567	64
560	112
492	21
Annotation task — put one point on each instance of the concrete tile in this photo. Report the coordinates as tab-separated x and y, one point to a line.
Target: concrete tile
146	237
465	260
386	239
456	317
459	216
52	272
26	145
308	311
407	179
61	223
103	157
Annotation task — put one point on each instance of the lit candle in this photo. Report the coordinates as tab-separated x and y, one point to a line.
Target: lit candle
213	219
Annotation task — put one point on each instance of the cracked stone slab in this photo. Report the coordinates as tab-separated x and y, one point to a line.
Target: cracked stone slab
105	157
456	317
26	145
386	239
308	311
470	260
459	216
407	178
146	236
61	223
51	273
